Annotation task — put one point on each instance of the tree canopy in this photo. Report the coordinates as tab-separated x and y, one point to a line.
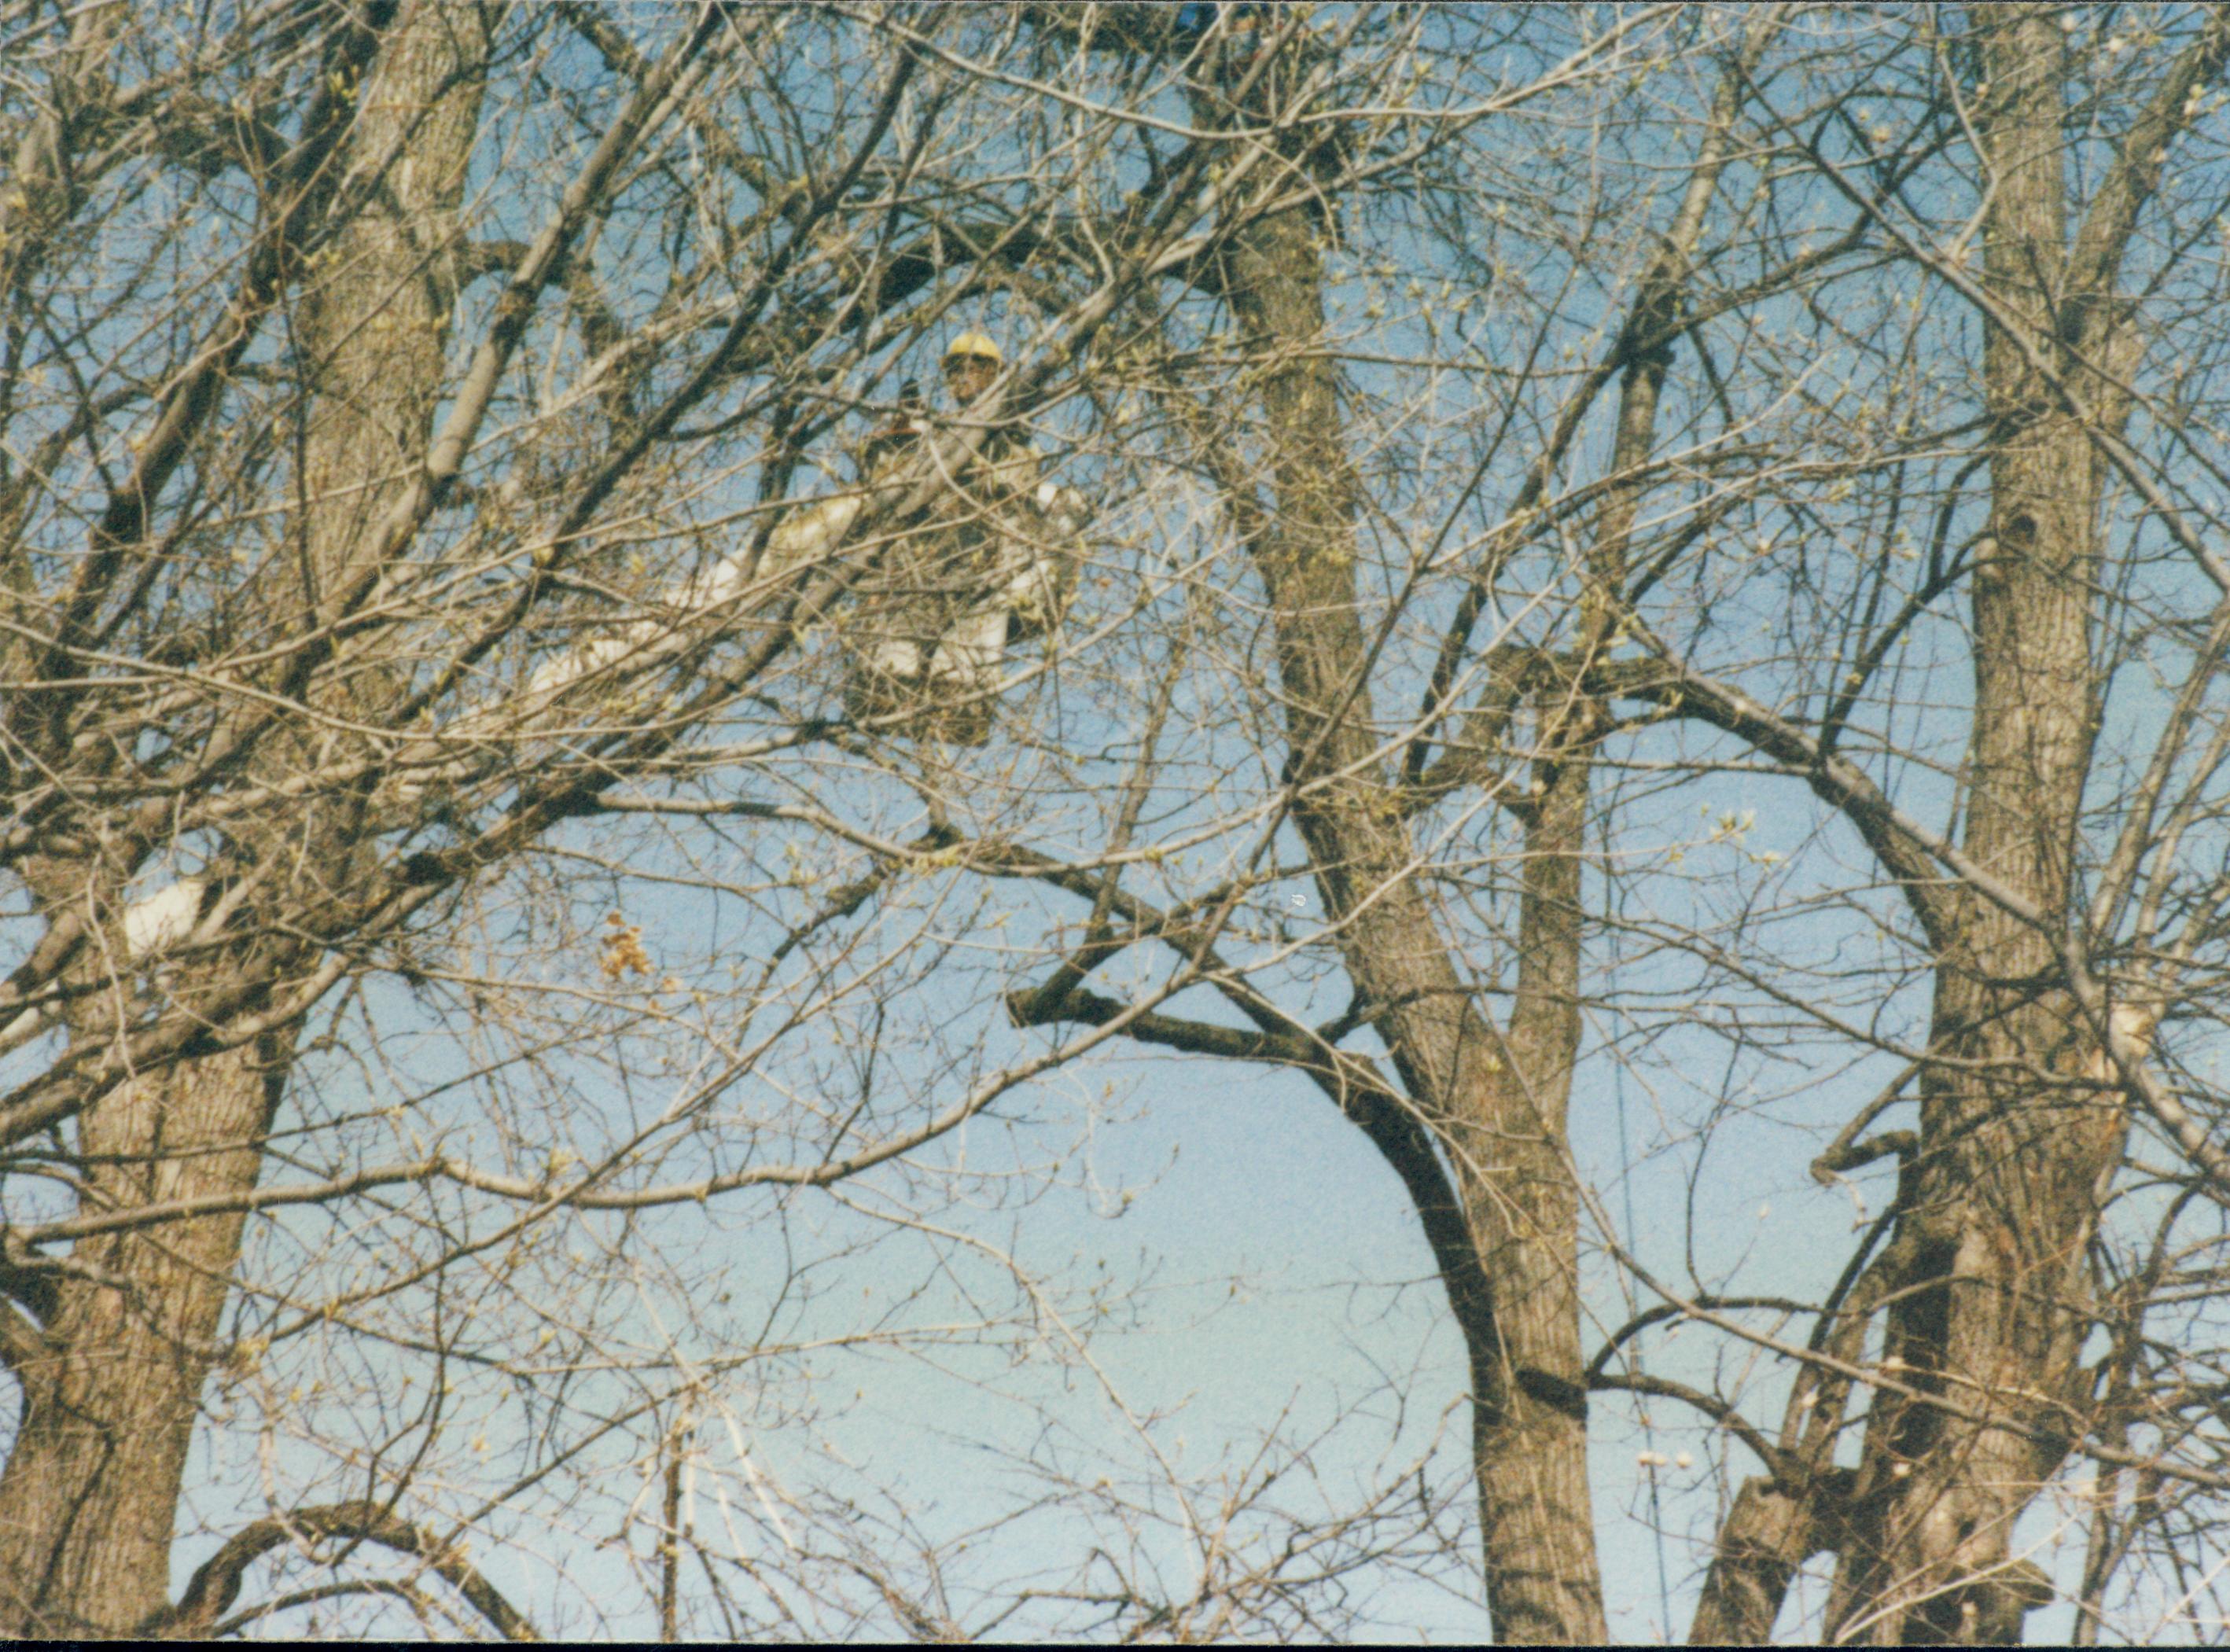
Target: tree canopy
1571	666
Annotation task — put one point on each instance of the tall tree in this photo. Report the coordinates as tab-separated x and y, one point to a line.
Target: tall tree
1985	1285
2001	1198
125	1336
1475	1120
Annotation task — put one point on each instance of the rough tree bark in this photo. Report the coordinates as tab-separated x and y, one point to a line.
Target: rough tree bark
1499	1107
111	1373
1496	1103
1999	1204
1985	1277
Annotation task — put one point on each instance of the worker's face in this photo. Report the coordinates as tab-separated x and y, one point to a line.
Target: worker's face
968	377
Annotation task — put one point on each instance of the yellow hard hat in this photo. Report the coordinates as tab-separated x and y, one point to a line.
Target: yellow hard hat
977	345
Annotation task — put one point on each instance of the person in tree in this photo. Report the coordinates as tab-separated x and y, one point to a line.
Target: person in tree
992	562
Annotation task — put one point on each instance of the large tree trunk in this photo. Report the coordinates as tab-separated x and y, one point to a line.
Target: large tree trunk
1986	1277
111	1377
2001	1202
91	1489
1497	1108
1498	1104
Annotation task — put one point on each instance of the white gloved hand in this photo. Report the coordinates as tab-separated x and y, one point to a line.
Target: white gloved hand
1064	504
